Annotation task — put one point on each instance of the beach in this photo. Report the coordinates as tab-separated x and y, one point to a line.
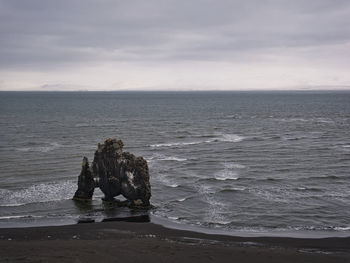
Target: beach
149	242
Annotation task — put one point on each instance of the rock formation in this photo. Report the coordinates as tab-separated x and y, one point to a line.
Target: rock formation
86	184
115	172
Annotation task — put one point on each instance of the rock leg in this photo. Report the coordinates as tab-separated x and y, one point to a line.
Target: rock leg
86	184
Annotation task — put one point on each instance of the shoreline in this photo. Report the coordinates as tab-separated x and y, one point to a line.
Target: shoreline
146	242
301	234
167	223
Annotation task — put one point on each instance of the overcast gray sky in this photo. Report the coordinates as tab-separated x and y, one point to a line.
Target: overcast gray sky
174	45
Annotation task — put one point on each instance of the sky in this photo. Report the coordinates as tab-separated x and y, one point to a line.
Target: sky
50	45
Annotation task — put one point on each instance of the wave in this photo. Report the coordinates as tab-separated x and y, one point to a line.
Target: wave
173	217
219	222
218	179
233	116
287	138
107	124
323	120
49	147
83	125
333	177
292	120
320	228
166	181
172	158
230	138
229	172
160	157
302	120
345	148
176	144
183	131
339	228
20	216
227	176
234	166
311	189
215	138
18	204
43	192
10	217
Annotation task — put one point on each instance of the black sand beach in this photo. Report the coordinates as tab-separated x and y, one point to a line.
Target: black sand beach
148	242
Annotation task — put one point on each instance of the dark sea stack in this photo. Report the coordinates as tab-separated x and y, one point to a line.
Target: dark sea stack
86	184
116	172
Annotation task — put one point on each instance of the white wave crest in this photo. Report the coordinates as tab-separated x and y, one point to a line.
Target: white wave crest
324	120
345	228
161	157
216	138
226	175
172	158
230	138
49	147
229	171
96	124
316	120
175	144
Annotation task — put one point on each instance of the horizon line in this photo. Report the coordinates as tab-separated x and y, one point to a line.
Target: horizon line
188	90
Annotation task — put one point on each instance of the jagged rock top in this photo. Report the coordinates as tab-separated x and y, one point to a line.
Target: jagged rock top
111	145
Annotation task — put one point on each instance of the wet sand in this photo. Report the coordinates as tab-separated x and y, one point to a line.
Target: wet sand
148	242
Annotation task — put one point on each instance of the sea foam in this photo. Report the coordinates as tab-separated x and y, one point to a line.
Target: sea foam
43	192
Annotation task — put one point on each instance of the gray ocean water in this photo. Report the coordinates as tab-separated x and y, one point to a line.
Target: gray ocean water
232	161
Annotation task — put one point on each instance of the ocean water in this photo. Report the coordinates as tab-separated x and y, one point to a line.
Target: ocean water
228	161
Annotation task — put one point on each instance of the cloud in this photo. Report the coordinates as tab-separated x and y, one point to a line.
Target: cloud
53	36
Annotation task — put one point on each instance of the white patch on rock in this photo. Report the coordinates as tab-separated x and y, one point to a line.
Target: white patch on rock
130	176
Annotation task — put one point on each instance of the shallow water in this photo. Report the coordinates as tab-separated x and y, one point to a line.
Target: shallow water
230	161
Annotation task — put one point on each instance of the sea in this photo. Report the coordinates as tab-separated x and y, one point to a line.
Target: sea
227	162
